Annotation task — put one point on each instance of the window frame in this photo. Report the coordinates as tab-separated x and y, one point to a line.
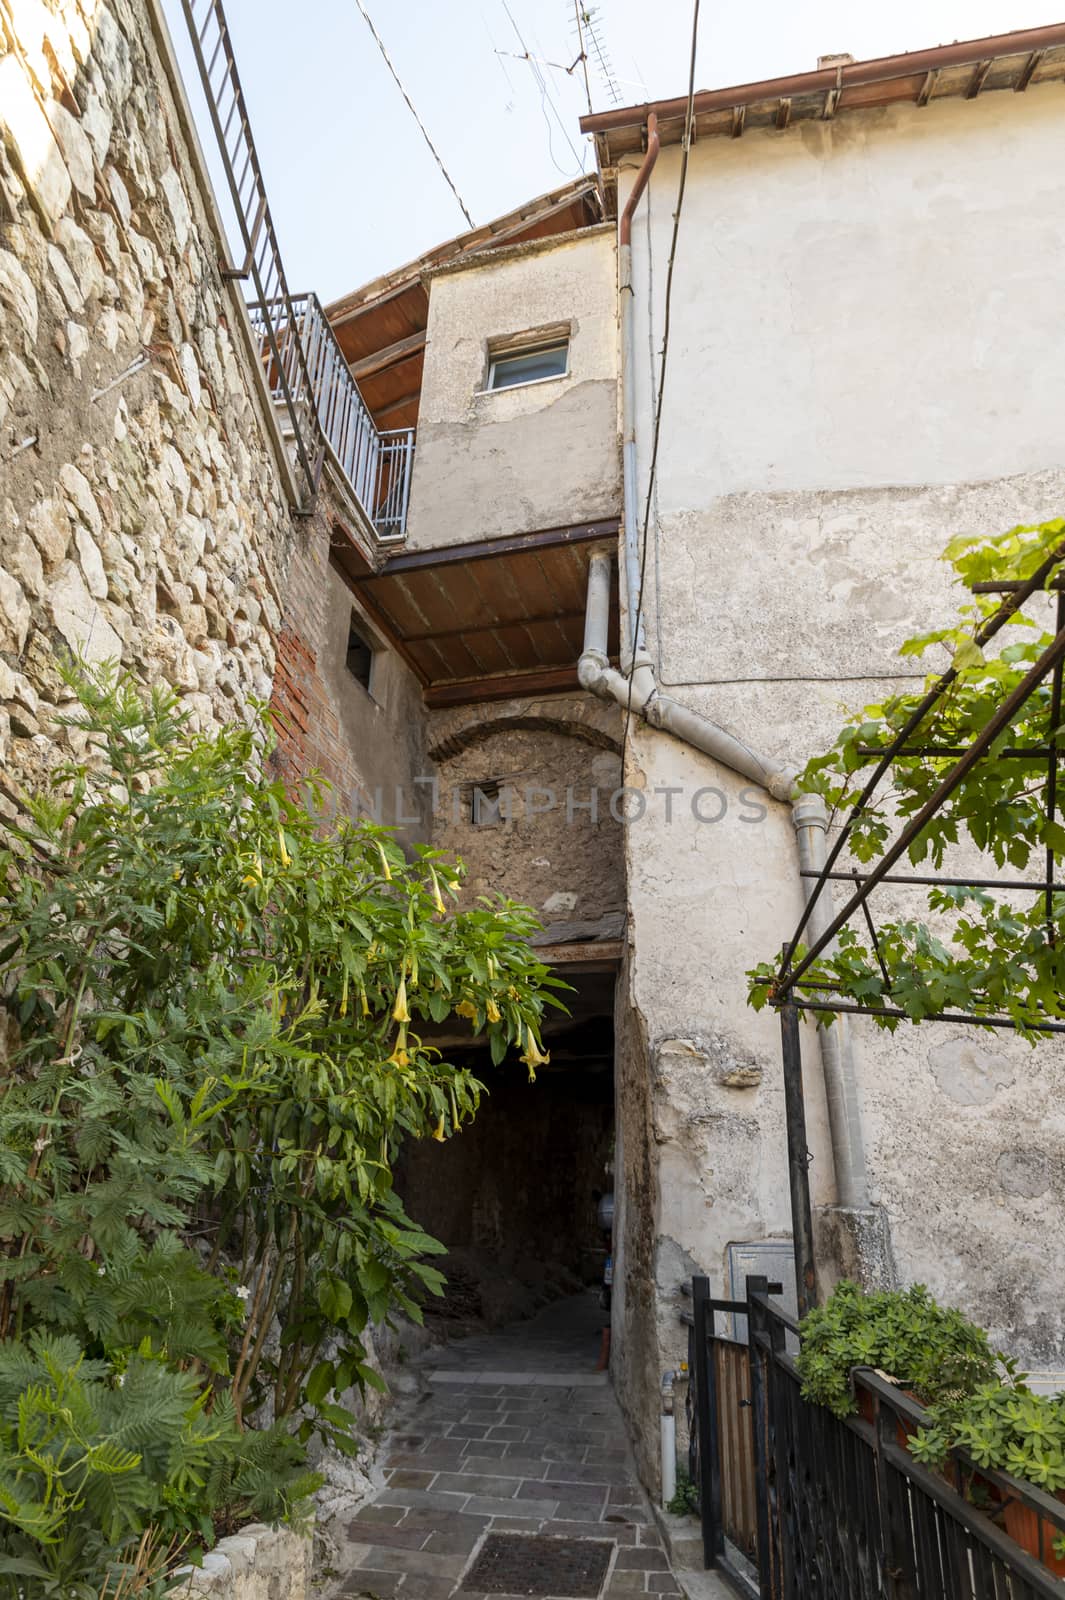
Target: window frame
521	347
368	643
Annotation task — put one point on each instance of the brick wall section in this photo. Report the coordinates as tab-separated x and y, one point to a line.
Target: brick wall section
309	733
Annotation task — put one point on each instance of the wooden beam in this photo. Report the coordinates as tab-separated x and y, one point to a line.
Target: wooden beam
481	549
739	117
783	112
589	955
977	82
507	686
924	94
381	412
1027	70
366	366
471	629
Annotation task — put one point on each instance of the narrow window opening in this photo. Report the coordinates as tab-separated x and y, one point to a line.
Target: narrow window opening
486	803
359	657
508	368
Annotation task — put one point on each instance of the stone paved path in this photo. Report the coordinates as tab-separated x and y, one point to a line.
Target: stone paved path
514	1433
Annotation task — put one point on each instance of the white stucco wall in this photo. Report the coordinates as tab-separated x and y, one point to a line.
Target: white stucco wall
542	455
865	360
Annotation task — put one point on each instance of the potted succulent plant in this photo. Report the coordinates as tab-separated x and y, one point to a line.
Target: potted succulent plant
930	1351
1008	1427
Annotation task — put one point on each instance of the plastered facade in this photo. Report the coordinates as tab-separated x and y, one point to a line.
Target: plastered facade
490	463
883	378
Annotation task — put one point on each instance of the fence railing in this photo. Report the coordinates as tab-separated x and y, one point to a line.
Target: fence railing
306	369
847	1511
377	465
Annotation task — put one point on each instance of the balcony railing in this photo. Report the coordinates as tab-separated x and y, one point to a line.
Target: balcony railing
377	465
305	367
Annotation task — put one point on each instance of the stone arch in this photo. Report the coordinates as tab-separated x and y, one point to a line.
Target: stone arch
482	728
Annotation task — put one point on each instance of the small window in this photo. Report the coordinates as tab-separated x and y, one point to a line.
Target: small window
508	368
486	803
359	657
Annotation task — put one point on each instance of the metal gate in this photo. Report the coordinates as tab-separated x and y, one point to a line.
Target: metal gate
798	1504
721	1445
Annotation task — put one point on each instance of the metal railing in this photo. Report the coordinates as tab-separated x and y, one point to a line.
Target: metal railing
377	465
305	367
845	1509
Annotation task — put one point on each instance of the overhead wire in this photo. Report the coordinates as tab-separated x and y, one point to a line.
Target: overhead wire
689	123
545	101
410	104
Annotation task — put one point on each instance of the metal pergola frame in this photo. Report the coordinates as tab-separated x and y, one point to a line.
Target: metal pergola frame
791	972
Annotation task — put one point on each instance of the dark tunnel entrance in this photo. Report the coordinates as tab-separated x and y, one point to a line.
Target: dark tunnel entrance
515	1196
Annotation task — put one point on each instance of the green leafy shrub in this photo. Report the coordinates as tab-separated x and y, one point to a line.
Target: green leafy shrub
685	1501
926	1348
219	1008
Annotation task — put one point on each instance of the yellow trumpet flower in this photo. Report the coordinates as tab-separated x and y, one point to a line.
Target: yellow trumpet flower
493	1013
386	870
534	1057
438	899
399	1010
466	1008
286	859
439	1134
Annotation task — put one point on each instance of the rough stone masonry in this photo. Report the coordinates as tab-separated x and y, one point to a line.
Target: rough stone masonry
142	501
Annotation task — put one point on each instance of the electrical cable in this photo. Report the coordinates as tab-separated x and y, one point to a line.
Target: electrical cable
689	121
421	125
545	101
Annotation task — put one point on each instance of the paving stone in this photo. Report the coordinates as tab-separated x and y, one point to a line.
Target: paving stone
382	1585
626	1583
561	1529
589	1493
508	1434
383	1559
484	1505
662	1583
405	1478
635	1560
400	1537
470	1483
483	1448
376	1513
522	1466
426	1498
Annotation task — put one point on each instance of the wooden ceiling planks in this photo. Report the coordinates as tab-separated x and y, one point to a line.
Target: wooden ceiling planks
472	620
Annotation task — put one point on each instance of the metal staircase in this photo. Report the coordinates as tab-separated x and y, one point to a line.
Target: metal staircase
322	412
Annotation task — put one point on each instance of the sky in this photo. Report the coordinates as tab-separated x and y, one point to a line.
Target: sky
353	189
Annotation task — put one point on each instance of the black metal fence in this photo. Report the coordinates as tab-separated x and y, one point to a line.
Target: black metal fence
797	1504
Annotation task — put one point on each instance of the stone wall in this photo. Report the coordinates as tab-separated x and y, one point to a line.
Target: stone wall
143	511
258	1563
548	848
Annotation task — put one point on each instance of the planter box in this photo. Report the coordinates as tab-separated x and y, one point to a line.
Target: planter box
258	1563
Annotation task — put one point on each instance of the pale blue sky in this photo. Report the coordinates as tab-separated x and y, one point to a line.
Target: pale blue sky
355	192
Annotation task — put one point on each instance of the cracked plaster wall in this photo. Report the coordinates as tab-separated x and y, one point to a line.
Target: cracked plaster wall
864	365
544	455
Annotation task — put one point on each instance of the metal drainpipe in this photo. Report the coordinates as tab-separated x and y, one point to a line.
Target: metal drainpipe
628	398
640	690
810	819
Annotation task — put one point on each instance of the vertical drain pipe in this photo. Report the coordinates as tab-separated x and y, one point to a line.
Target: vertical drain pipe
810	820
634	644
